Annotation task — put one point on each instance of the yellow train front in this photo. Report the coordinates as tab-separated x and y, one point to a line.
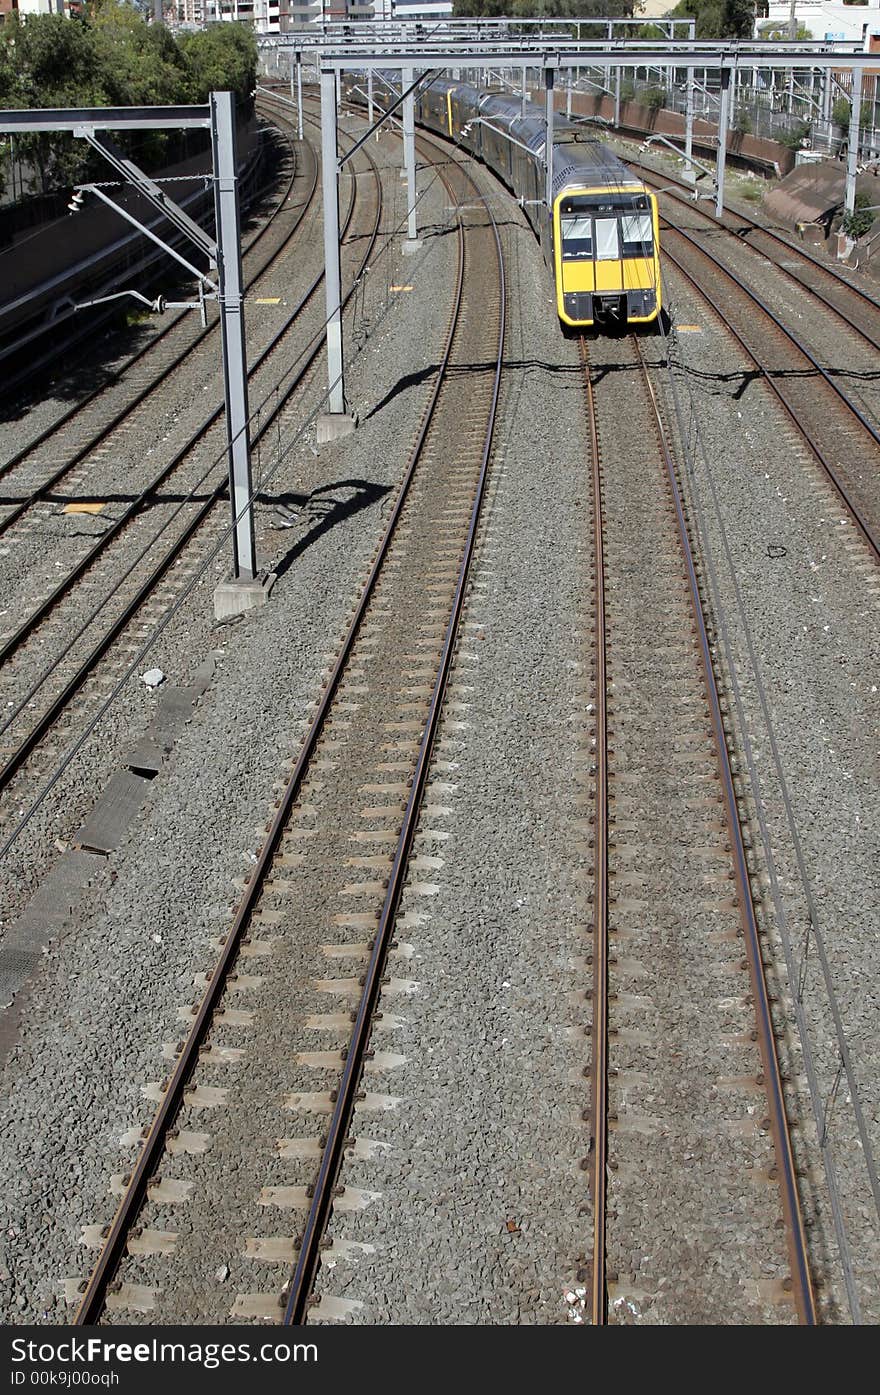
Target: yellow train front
601	236
605	254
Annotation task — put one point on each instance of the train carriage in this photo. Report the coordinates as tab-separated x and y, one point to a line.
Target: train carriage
600	236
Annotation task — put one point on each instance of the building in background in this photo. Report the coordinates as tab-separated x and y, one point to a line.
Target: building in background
823	19
33	7
264	15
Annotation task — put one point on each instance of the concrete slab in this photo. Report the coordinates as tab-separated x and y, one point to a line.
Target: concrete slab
233	598
410	246
333	426
57	898
108	822
148	755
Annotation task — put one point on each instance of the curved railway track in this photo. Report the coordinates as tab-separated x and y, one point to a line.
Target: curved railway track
837	433
162	348
118	605
83	434
684	1048
370	741
850	303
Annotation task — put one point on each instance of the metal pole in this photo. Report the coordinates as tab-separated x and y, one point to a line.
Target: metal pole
548	137
332	270
409	155
370	117
734	98
826	106
568	93
617	73
852	154
689	117
606	83
524	94
244	557
299	96
723	123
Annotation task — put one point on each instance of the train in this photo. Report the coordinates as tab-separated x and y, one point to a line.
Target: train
600	237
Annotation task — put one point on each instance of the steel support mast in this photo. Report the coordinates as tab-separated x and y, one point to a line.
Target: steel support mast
723	127
226	206
412	243
332	267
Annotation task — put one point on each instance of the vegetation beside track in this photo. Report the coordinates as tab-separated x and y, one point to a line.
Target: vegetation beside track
110	56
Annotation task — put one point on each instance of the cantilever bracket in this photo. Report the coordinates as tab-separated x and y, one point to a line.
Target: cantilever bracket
151	192
154	237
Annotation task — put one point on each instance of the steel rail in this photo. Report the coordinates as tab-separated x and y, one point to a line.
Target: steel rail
142	394
872	339
138	1180
599	1068
77	407
337	1134
851	507
685	196
18	756
13	642
795	1231
783	329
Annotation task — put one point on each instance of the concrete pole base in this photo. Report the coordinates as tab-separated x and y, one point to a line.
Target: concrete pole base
235	597
410	246
332	426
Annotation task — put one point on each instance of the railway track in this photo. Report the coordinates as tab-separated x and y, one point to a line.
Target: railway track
838	435
690	1137
90	419
38	695
345	820
847	302
94	426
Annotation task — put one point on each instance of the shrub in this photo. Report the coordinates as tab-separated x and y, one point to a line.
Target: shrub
860	221
841	111
743	123
794	137
653	98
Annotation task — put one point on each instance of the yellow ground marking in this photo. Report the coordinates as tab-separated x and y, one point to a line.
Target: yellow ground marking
83	508
689	329
268	300
401	288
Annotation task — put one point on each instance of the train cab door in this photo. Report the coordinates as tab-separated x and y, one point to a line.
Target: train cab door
609	269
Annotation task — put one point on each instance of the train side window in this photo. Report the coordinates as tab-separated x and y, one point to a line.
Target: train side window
607	249
637	236
577	238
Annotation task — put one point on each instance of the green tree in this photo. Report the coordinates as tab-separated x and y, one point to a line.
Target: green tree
719	19
544	9
861	220
144	65
221	57
50	61
110	56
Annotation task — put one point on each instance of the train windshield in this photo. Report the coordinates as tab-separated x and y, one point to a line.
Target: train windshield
637	235
606	228
577	238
